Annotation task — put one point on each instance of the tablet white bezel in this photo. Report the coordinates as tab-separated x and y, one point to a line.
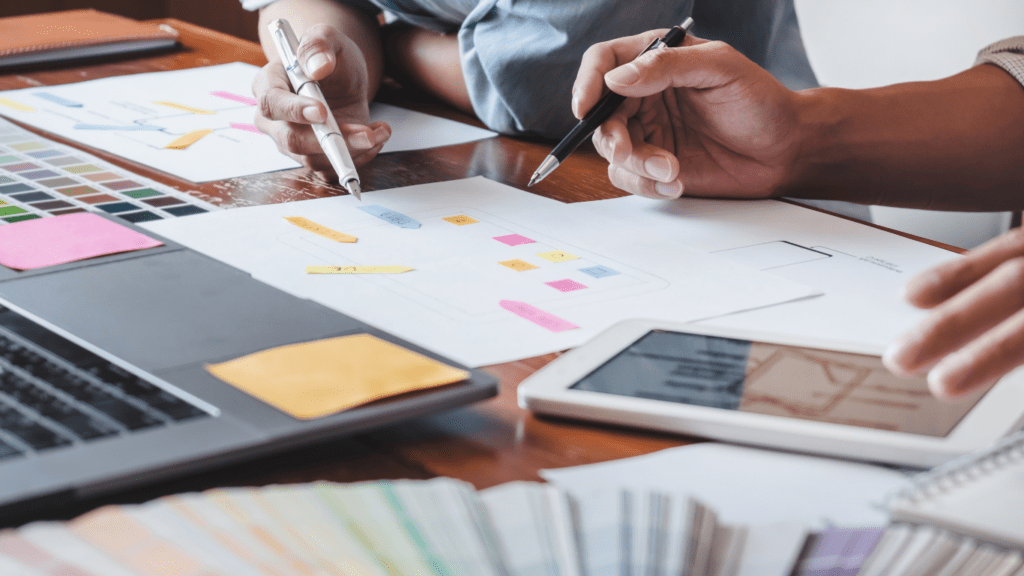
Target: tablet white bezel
548	391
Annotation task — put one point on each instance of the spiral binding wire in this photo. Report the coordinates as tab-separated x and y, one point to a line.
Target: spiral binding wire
945	477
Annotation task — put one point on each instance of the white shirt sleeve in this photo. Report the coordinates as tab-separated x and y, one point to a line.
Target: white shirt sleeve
1007	54
256	4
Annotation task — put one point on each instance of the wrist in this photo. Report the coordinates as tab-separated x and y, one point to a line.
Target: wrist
819	144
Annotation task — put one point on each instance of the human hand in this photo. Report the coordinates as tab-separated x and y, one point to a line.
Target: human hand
975	334
700	118
332	59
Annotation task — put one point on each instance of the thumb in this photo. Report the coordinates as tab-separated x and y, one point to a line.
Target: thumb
704	65
317	51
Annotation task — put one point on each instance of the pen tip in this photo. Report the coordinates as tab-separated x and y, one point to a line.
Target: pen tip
533	180
353	188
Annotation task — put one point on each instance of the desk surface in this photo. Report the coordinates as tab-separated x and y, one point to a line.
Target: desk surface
485	444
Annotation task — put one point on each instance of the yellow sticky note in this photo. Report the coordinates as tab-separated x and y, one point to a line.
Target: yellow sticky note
357	269
518	265
184	107
16	105
460	220
320	230
557	256
189	139
315	379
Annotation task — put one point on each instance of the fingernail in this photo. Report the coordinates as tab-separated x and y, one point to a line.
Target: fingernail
360	141
380	135
668	189
315	63
658	167
608	145
947	378
312	113
900	356
575	105
624	75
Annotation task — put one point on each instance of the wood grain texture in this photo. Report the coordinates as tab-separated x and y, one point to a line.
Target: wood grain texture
485	444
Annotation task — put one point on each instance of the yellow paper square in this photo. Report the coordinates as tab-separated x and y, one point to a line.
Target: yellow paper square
460	220
518	265
319	378
557	256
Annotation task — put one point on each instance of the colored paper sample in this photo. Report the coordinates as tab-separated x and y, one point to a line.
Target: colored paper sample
184	107
183	142
57	99
27	146
319	378
518	265
537	316
247	100
566	285
460	220
513	239
320	230
390	216
557	256
61	239
357	269
16	105
599	271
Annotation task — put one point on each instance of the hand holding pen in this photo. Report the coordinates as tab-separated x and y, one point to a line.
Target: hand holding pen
327	56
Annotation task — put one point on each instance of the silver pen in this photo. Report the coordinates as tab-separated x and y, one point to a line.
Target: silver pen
328	133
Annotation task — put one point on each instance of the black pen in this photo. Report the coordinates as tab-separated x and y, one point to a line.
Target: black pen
602	111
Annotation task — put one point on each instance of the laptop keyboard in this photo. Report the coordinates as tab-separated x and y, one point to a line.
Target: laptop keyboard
54	393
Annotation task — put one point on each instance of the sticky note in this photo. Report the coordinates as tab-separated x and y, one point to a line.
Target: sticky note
599	271
518	265
16	105
323	377
127	127
460	220
566	285
246	127
57	99
513	239
357	269
184	107
537	316
557	256
50	241
320	230
183	142
390	216
247	100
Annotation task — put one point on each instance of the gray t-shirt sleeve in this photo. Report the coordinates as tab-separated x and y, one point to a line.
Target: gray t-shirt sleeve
520	57
1007	54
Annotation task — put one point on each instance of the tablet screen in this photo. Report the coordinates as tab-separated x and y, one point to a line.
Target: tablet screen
805	383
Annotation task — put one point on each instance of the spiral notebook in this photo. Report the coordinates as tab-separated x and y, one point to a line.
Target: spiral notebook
964	517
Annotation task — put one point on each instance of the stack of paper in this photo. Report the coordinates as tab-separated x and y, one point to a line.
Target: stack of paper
438	527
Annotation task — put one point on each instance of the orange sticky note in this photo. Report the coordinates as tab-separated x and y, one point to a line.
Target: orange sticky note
460	220
183	142
518	265
320	229
319	378
184	107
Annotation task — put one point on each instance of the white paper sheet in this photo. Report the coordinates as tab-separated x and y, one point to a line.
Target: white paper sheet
232	149
450	303
748	485
861	269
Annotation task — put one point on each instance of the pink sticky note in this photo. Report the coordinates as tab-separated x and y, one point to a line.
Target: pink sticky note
513	239
50	241
537	316
248	100
246	127
566	285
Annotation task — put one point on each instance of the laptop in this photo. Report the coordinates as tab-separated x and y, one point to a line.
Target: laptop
102	384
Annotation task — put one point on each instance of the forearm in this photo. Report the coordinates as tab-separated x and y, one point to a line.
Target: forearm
951	144
361	28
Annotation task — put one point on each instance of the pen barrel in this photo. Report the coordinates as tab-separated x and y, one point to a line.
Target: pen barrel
601	112
330	138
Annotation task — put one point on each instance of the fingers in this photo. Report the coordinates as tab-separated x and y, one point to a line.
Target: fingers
634	165
276	101
981	362
598	60
318	50
937	285
700	65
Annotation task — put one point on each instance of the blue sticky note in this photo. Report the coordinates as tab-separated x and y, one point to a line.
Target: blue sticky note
57	99
129	127
390	216
599	271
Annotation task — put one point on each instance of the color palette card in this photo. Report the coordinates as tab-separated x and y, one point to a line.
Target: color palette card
40	178
439	527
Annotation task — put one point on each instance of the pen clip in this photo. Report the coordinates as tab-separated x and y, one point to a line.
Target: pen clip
286	44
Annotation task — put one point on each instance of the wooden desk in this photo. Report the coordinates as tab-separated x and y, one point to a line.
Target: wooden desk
485	444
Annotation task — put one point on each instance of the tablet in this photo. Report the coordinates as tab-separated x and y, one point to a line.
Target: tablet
824	397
